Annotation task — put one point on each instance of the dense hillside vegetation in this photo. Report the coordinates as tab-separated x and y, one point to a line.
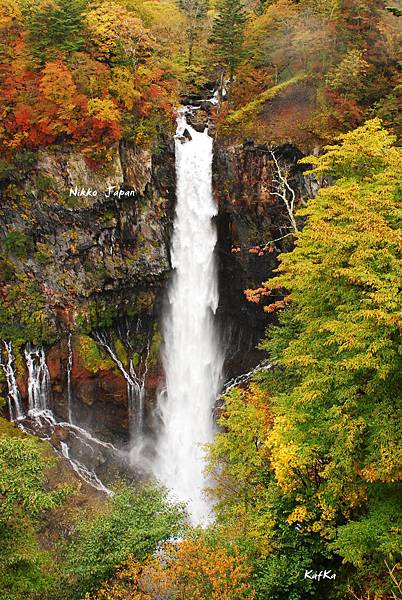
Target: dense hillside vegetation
306	467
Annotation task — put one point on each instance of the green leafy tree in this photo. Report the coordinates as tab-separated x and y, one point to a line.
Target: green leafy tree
228	33
54	26
338	405
23	499
308	463
131	524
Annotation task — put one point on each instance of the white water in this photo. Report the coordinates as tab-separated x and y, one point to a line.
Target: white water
39	384
135	379
40	414
82	471
192	357
69	378
15	408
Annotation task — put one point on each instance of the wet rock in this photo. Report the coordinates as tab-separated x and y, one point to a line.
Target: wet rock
60	434
86	392
198	120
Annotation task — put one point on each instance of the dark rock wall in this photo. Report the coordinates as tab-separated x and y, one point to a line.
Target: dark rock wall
250	216
104	261
100	261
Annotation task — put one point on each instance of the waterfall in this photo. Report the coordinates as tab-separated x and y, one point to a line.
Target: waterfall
135	379
69	378
13	395
39	385
83	472
192	357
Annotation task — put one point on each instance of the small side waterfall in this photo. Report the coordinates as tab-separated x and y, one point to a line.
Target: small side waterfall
39	385
40	419
69	378
15	408
192	356
135	378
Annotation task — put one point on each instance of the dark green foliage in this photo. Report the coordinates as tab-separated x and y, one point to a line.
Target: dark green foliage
395	10
17	165
228	33
17	243
23	498
374	537
132	523
55	27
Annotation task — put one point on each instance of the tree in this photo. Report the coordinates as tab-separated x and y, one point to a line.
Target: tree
284	191
334	442
196	14
317	469
54	27
116	35
23	497
132	523
228	33
191	568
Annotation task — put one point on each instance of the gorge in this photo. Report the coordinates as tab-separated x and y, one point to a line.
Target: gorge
109	275
200	307
84	410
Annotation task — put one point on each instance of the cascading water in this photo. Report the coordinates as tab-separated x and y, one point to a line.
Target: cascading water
135	379
192	356
15	408
69	378
39	385
40	420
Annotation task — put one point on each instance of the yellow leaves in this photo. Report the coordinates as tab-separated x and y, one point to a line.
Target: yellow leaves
10	14
274	16
102	24
123	87
186	569
299	515
112	28
57	84
285	458
360	151
348	75
106	109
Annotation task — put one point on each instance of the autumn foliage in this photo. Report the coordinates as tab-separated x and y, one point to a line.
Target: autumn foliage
88	94
322	478
185	569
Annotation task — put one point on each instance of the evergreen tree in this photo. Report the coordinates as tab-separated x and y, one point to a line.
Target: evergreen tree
55	27
228	33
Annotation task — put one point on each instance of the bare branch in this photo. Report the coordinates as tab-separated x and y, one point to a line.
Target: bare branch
284	191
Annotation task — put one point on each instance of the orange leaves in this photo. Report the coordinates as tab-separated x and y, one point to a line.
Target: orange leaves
42	108
23	115
256	295
56	83
112	68
186	569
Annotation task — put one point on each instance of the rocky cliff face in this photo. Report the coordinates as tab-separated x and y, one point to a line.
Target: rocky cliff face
254	227
98	245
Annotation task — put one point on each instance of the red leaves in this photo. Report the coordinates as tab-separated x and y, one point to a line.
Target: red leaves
41	108
23	115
